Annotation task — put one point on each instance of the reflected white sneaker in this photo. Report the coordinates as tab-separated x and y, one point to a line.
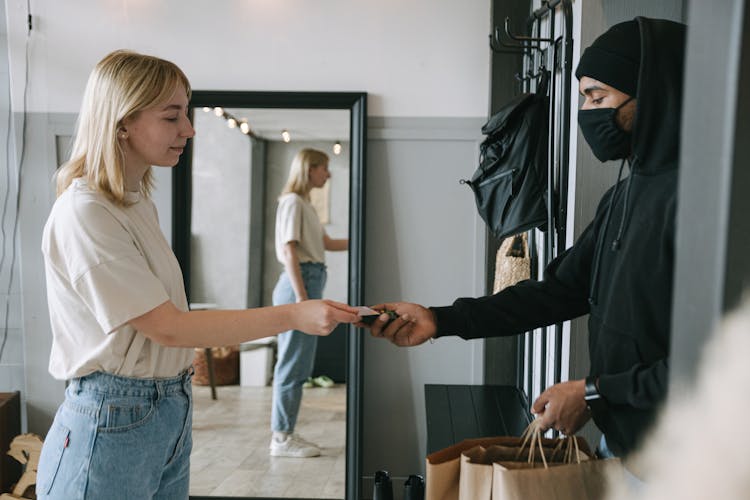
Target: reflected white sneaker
293	446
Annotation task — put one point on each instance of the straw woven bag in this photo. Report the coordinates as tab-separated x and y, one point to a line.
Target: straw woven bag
512	263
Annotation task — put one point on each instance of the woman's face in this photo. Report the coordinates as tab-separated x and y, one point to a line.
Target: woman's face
319	174
157	136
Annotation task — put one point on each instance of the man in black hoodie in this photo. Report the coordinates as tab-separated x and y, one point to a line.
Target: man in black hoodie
620	269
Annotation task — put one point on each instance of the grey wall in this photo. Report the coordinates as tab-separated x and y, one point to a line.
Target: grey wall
425	243
43	394
220	225
712	269
12	377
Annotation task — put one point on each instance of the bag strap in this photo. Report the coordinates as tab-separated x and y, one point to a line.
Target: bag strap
543	85
134	351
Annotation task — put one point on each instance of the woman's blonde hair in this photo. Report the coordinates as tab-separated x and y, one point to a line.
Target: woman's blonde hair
299	174
121	85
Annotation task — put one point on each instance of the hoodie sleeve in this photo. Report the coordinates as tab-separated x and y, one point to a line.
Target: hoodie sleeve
560	296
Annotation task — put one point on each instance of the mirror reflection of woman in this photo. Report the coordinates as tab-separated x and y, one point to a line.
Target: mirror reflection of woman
301	242
122	333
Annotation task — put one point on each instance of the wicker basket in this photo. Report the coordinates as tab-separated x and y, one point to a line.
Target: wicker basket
226	366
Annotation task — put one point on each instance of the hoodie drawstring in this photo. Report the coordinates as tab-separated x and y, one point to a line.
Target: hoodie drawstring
600	243
624	218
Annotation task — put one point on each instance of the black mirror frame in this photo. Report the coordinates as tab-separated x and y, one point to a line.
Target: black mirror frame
356	103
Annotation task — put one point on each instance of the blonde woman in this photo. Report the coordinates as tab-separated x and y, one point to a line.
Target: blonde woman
301	243
122	332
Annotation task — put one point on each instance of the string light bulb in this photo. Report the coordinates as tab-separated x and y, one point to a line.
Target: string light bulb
218	111
245	127
206	109
337	148
286	136
231	123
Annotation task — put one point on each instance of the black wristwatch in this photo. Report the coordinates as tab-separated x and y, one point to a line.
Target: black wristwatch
594	400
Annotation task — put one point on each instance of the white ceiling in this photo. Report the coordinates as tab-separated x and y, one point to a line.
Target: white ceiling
302	124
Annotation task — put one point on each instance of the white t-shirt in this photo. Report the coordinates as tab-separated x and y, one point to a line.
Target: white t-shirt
297	220
106	265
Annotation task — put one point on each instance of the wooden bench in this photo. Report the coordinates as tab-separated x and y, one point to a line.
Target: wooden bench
458	412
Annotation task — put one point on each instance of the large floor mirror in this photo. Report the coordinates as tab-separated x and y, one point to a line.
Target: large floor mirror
225	195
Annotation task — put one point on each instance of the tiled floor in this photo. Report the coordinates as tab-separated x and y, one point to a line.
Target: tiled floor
230	445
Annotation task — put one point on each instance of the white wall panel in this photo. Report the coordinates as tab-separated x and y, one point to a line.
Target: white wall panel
415	58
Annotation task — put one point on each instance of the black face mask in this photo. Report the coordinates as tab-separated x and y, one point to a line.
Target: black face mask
606	139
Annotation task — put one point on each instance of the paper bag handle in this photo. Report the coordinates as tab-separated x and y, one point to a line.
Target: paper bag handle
532	436
571	448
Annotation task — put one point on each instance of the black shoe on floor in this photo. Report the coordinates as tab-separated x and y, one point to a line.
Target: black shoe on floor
383	489
414	488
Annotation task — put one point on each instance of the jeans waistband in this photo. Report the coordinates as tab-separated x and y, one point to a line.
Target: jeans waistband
108	383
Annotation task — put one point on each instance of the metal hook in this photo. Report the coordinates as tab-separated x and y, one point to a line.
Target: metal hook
496	45
531	76
522	38
542	70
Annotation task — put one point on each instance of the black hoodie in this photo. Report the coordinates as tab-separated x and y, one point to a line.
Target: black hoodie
620	269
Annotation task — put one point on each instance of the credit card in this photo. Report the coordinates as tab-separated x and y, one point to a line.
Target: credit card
369	315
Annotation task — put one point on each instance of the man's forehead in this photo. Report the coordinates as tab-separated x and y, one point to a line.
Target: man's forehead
587	85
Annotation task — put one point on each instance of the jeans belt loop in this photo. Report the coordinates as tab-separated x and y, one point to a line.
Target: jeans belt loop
75	386
159	390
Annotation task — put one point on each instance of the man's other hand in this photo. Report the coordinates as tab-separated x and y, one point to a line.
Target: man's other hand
563	407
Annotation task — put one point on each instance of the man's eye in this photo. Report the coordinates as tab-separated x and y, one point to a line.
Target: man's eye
598	100
171	119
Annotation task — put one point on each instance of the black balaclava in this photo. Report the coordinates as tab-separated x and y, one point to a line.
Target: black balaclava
614	58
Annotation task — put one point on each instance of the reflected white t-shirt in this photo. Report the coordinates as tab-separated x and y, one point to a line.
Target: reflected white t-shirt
105	265
297	220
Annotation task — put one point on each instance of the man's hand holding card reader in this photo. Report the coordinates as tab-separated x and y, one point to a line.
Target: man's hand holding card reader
370	315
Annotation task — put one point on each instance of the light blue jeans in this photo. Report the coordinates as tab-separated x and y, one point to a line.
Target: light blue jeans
634	483
119	438
296	350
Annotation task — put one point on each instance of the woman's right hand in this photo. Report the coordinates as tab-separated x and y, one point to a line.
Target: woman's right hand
321	317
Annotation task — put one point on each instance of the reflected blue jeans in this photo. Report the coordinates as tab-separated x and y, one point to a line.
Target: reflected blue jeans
119	438
296	350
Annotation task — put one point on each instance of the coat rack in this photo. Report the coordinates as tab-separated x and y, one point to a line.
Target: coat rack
551	53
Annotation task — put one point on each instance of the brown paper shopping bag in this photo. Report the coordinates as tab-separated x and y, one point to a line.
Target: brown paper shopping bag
475	474
587	480
579	476
443	468
476	464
